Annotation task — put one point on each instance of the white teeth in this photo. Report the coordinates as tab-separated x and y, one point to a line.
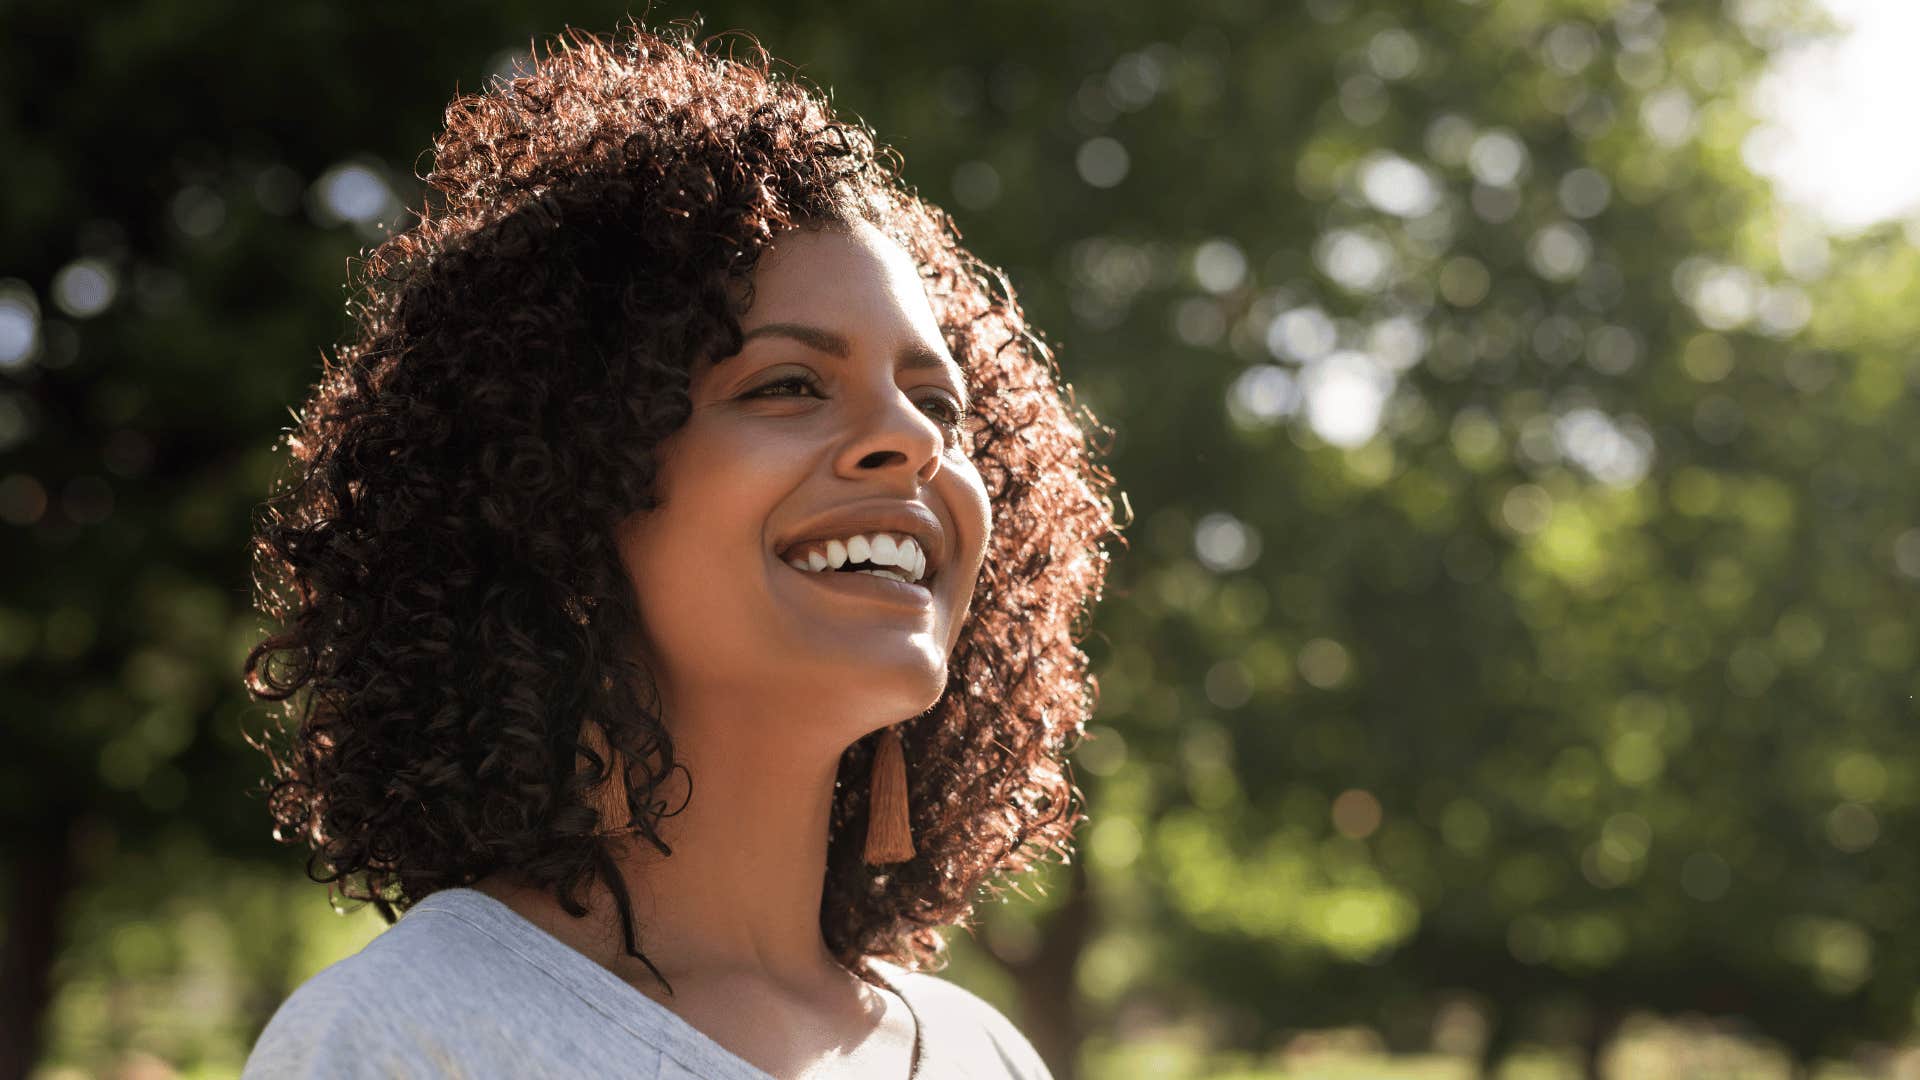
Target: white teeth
904	555
886	574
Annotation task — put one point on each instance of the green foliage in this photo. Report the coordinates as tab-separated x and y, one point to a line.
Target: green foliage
1520	599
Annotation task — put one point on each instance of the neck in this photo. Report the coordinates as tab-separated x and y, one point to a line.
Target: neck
742	889
740	894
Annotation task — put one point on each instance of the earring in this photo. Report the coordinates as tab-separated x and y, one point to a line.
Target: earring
889	833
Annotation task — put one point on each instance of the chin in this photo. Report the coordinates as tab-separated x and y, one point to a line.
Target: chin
892	692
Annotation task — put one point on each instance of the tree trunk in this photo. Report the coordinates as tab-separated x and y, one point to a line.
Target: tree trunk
42	873
1049	1008
1603	1026
1502	1033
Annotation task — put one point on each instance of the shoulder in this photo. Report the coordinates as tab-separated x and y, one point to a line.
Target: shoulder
351	1020
965	1028
402	1006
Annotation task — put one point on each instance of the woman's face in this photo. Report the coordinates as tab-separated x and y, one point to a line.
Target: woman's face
833	422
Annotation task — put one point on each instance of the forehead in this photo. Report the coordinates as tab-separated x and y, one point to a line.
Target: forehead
851	274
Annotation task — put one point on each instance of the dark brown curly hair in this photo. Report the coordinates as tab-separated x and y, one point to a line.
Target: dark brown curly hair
439	555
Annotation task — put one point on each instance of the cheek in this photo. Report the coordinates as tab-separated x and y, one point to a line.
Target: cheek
972	513
642	547
973	526
658	545
972	501
717	489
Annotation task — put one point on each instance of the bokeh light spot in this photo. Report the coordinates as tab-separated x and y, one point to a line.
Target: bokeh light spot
1393	54
1358	261
1346	394
19	323
1325	663
85	288
1219	265
1302	334
976	184
198	212
1102	162
1224	543
22	500
1498	158
353	193
1852	827
1262	395
1356	814
1707	358
1859	776
1559	252
1584	193
1526	508
1906	553
1397	186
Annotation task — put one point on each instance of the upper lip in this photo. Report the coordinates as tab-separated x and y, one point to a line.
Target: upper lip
860	519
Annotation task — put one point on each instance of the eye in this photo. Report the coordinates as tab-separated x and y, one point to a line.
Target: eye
801	381
949	411
953	416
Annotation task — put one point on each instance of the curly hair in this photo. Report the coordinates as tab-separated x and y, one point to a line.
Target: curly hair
439	553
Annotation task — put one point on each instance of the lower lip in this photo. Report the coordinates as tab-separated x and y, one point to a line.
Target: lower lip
869	587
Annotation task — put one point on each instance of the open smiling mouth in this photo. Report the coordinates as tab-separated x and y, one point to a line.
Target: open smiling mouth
868	585
881	565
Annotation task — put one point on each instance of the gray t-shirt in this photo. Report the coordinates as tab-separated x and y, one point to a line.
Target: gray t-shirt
464	986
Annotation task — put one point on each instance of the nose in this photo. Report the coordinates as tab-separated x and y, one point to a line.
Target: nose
893	434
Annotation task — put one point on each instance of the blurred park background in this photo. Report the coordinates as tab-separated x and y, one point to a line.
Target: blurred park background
1513	669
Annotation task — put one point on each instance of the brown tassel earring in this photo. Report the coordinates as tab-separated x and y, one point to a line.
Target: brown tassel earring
889	833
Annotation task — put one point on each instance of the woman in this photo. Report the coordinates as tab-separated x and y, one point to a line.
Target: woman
680	576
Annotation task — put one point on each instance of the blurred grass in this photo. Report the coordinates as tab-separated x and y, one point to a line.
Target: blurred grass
189	983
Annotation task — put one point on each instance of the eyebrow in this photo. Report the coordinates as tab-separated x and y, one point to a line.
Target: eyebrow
914	356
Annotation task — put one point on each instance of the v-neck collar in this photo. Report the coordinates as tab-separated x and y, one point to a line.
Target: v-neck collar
919	1026
610	995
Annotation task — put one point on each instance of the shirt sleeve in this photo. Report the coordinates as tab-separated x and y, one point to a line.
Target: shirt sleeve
1021	1059
973	1039
329	1029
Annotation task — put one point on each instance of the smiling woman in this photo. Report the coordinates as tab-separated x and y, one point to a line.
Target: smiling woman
580	666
